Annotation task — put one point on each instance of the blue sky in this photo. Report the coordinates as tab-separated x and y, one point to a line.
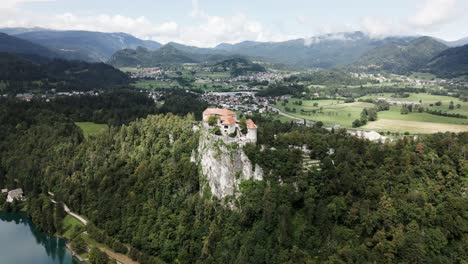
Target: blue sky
209	22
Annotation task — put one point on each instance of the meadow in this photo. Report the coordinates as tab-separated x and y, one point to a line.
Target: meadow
336	112
330	112
90	128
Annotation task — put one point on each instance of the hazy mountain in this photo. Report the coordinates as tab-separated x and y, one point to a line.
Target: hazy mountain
11	44
458	43
85	45
19	30
400	58
325	51
232	47
452	62
196	50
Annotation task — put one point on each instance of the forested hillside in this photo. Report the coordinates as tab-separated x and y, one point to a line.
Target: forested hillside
239	66
84	45
10	44
400	58
371	203
22	75
168	54
450	63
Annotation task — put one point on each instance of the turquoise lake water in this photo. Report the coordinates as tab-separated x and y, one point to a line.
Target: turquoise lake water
22	243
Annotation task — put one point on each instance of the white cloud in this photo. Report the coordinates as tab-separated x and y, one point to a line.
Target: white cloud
435	12
10	4
206	30
378	27
430	16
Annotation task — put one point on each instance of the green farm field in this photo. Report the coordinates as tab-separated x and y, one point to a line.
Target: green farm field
155	84
333	111
336	112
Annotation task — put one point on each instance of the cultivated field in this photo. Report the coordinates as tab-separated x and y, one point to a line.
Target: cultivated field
330	112
415	127
336	112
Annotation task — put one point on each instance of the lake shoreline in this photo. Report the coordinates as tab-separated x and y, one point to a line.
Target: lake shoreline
38	247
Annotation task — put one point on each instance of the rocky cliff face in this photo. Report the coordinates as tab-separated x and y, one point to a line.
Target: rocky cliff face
224	165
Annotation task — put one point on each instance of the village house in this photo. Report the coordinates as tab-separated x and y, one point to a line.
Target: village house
16	194
229	125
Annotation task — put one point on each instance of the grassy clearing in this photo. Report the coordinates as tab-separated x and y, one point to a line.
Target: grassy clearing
330	112
90	128
415	127
394	114
155	84
121	258
214	75
425	98
71	227
423	76
333	112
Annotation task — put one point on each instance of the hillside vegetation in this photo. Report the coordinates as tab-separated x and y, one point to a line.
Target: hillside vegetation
85	45
370	202
450	63
14	45
22	75
401	58
239	66
167	54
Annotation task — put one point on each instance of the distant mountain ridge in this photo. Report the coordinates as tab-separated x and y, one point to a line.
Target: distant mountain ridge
82	45
24	48
324	51
58	74
450	63
400	58
167	54
394	54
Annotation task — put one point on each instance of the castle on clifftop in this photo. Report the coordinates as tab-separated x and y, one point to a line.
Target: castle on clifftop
229	126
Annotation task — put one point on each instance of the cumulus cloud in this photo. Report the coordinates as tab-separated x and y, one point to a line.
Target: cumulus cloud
9	4
206	30
429	17
379	27
211	29
435	12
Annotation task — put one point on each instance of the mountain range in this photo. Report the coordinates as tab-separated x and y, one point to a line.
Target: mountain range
22	74
81	45
354	50
400	58
450	63
171	53
24	48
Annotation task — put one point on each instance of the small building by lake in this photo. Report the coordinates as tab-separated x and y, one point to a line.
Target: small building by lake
16	194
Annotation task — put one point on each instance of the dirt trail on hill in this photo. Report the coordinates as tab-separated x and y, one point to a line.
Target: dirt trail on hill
120	258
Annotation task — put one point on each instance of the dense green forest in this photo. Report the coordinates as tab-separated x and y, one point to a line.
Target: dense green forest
239	66
22	75
450	63
402	202
400	58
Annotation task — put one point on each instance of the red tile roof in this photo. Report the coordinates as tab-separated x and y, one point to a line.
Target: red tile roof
219	111
251	124
227	120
